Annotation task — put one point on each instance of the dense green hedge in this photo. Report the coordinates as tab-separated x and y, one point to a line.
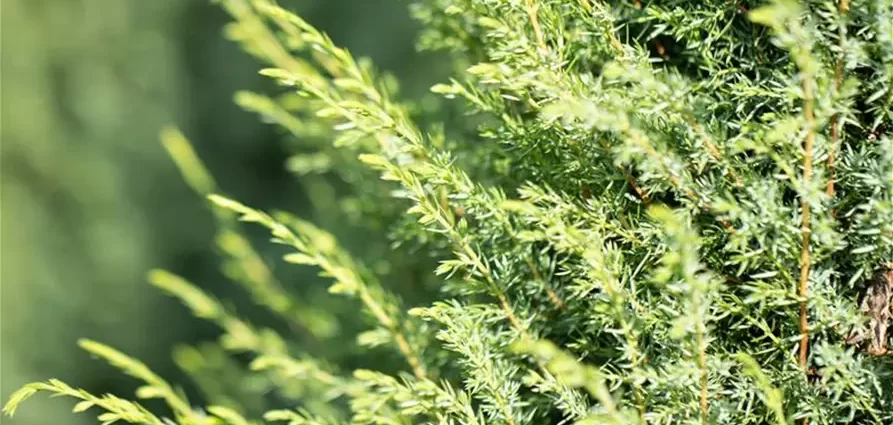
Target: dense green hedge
613	212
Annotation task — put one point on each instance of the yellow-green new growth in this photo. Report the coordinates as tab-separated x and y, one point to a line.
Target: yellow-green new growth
269	348
119	409
772	396
230	416
575	375
318	248
418	397
155	387
116	409
242	263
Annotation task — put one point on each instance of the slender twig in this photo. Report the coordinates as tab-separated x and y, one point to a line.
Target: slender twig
659	47
534	21
805	216
674	179
616	293
615	43
630	179
635	185
553	297
702	363
835	120
414	363
412	358
711	147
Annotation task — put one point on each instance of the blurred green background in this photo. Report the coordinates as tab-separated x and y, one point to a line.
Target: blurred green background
90	201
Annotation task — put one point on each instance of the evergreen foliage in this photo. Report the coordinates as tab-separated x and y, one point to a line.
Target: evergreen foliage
649	213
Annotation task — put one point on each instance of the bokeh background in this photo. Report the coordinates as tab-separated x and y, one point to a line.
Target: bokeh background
90	201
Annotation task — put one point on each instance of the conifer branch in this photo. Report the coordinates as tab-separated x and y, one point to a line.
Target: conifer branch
635	185
155	387
771	395
294	418
116	409
574	374
385	120
784	19
492	378
714	151
432	400
682	262
316	247
241	262
638	138
702	362
843	8
534	22
239	336
228	415
553	297
563	89
588	246
805	219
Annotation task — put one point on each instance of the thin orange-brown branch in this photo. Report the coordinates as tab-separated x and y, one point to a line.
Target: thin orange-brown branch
805	217
534	21
553	297
702	365
835	120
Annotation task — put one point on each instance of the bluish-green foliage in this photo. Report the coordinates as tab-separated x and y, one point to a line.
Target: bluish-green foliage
648	214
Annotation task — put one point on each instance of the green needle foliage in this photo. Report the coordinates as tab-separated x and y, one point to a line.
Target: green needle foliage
649	213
